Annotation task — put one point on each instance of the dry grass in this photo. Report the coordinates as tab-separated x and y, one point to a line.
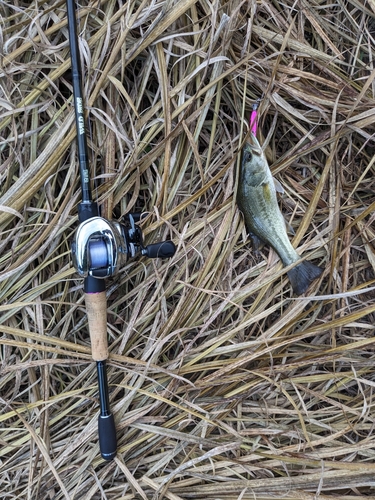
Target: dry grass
224	385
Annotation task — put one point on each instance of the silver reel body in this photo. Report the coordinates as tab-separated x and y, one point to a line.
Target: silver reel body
100	247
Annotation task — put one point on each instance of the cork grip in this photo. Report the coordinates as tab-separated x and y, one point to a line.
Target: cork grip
96	308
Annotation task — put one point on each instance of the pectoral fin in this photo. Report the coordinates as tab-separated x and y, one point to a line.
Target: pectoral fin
278	186
267	194
267	188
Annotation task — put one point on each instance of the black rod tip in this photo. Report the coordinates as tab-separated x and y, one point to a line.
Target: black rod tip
107	437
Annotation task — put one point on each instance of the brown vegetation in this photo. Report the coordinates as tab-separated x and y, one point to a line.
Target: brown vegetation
224	385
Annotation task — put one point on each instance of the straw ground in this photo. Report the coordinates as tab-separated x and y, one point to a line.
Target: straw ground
224	385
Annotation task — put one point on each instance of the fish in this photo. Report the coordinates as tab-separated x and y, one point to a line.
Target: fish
257	200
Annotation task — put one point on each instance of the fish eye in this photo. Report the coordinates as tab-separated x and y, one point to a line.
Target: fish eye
247	156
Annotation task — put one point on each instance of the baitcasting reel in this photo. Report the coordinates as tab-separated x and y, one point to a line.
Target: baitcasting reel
101	247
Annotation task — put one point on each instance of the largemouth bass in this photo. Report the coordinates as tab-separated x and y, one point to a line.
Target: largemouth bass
256	198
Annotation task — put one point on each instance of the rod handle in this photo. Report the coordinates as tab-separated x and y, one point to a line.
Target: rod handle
107	436
96	308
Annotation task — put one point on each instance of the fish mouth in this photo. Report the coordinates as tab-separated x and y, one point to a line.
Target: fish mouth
252	145
251	149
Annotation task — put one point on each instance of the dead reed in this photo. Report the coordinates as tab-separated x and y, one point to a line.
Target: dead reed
224	385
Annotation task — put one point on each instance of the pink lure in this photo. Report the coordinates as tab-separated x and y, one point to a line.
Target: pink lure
254	119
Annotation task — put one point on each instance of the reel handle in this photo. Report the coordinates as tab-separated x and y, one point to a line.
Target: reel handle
161	250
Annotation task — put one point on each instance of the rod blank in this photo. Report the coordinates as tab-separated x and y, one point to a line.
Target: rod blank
83	157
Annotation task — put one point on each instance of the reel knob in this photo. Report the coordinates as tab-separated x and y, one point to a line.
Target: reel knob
161	250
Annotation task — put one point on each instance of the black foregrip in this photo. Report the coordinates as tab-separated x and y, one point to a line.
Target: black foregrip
162	250
107	437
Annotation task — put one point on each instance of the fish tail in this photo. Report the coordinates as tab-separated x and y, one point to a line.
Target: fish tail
302	275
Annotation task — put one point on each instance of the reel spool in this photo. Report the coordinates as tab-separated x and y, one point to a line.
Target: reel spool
101	247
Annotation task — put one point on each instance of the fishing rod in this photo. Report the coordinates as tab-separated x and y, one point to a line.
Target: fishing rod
100	247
